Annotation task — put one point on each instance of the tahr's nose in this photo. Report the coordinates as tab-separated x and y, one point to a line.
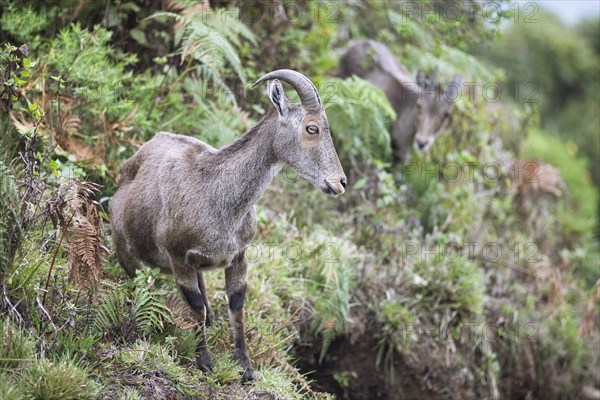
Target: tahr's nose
343	182
421	145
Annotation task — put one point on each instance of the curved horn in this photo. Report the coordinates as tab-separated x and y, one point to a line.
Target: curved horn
302	85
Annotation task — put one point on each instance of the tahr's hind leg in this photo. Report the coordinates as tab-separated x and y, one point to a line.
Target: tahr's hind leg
129	263
235	283
117	217
187	280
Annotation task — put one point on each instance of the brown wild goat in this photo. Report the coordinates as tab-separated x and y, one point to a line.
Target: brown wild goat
422	108
189	208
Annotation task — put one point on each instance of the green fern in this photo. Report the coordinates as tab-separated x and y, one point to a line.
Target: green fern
94	69
128	313
212	39
149	310
216	130
359	115
110	313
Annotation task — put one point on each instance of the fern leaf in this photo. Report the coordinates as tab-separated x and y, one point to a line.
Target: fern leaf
361	114
150	312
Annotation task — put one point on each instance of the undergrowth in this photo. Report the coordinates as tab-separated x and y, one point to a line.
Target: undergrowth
474	280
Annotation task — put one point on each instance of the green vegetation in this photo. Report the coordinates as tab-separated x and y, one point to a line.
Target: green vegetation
559	67
472	271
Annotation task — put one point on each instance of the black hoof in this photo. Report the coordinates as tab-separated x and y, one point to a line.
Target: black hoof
248	376
204	362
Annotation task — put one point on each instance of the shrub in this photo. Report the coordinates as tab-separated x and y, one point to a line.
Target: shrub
579	215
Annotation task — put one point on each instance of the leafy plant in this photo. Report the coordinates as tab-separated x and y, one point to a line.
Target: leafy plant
127	315
150	311
112	314
207	42
334	283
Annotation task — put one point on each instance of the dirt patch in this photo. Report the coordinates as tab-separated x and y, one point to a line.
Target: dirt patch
350	371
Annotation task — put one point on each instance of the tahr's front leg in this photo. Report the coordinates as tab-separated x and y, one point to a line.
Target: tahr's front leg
235	283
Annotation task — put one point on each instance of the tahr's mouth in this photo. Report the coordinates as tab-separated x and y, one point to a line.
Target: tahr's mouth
421	145
328	189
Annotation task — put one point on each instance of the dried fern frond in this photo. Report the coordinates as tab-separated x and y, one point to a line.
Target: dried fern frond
586	329
75	211
71	124
181	313
87	252
535	177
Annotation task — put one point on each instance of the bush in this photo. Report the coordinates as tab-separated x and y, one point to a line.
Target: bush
579	214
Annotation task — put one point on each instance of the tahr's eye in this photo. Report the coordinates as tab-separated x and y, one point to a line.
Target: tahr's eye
312	129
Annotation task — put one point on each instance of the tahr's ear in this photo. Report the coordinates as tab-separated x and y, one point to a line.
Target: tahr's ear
453	89
277	97
433	78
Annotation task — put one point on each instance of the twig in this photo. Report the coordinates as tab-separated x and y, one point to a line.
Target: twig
12	310
62	236
45	313
514	267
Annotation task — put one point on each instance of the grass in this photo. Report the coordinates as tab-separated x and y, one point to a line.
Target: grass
299	279
9	390
17	349
61	380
